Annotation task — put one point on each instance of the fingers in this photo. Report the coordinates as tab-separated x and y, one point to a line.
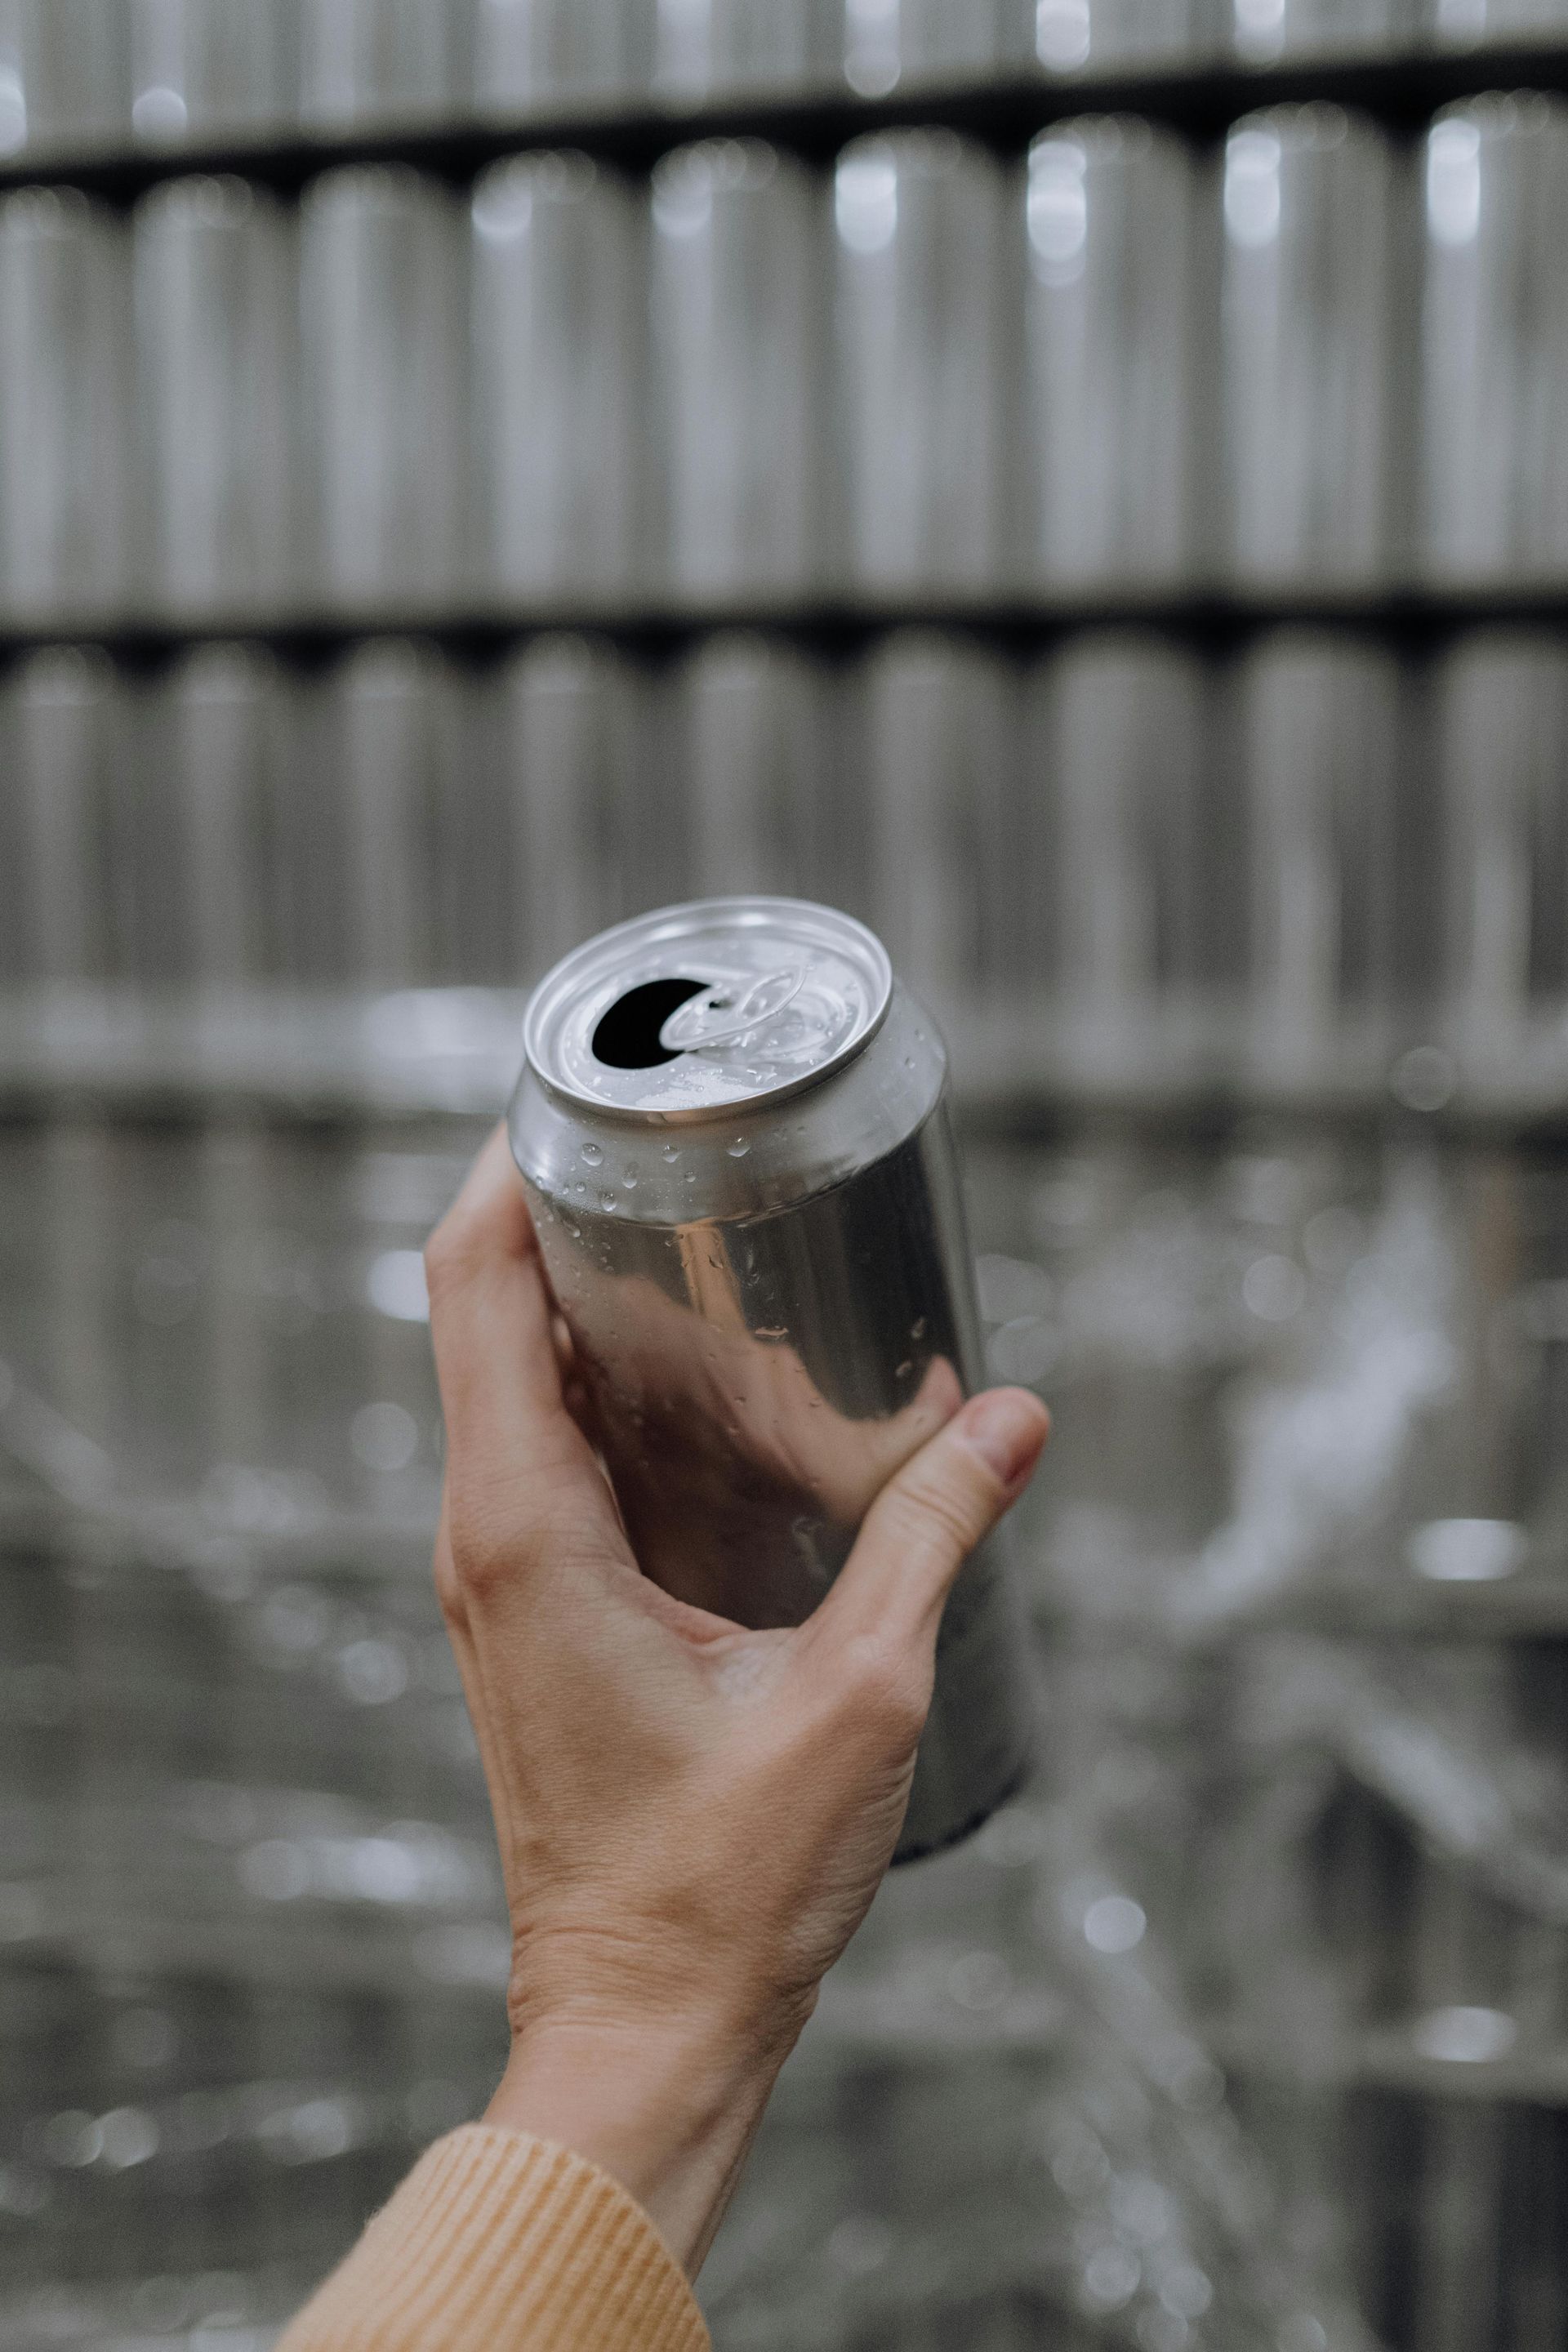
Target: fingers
930	1517
508	1431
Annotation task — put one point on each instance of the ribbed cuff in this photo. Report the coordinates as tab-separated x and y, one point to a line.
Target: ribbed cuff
497	2242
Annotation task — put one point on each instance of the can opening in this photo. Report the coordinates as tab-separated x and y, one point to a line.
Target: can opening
627	1035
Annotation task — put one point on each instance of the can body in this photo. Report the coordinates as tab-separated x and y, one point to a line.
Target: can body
771	1300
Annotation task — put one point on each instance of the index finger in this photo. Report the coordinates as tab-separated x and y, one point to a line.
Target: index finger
490	1313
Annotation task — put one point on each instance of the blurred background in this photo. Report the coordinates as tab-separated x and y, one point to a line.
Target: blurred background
1084	485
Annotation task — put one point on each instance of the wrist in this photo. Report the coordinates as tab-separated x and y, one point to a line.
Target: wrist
668	2108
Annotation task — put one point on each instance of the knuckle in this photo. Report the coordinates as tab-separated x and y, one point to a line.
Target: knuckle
484	1558
886	1689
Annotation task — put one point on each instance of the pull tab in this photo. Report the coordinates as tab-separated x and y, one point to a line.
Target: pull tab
721	1013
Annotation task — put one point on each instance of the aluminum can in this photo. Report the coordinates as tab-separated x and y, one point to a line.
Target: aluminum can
1494	503
218	750
596	833
64	397
732	1123
754	724
384	331
1469	24
940	728
200	67
216	300
398	59
887	43
558	298
1316	735
1111	228
1079	35
62	717
534	55
709	47
738	348
922	345
1263	30
74	74
1112	831
393	742
1308	344
1502	731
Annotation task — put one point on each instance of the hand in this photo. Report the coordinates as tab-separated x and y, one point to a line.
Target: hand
692	1818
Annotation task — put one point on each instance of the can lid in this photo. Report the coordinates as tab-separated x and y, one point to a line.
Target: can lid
724	1001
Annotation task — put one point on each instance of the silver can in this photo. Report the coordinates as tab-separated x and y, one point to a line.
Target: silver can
557	295
732	1126
1309	345
1111	355
1493	501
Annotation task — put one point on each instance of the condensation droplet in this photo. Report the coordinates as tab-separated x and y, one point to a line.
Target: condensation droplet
581	1187
739	1148
918	1328
592	1155
670	1153
691	1175
607	1200
629	1179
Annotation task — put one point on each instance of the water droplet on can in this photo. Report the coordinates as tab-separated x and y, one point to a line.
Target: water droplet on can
739	1148
593	1155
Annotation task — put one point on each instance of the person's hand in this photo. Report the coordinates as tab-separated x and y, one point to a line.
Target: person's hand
692	1818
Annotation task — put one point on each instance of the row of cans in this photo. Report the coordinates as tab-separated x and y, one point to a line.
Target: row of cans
89	73
1119	362
1099	836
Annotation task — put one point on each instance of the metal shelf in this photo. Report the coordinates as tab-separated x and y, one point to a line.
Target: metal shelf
285	1054
1200	98
655	624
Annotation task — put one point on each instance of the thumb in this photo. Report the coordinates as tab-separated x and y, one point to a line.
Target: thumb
930	1517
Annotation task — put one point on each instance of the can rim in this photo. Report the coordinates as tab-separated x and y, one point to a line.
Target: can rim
750	913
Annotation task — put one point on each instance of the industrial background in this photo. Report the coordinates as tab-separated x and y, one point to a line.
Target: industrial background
1084	485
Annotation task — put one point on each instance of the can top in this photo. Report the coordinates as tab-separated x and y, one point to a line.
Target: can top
721	1001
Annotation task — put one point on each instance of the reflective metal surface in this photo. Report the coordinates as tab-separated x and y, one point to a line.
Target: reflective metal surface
764	1266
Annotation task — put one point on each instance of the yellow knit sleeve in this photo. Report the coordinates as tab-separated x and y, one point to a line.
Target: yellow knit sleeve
495	2242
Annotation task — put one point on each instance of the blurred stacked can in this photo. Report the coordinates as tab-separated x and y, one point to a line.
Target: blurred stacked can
557	258
597	831
1073	36
1494	496
923	356
534	55
711	48
73	72
398	58
1317	743
216	356
386	377
738	348
1112	338
1503	730
755	736
890	42
1116	735
203	68
1262	30
1310	338
63	718
1464	23
939	748
64	395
